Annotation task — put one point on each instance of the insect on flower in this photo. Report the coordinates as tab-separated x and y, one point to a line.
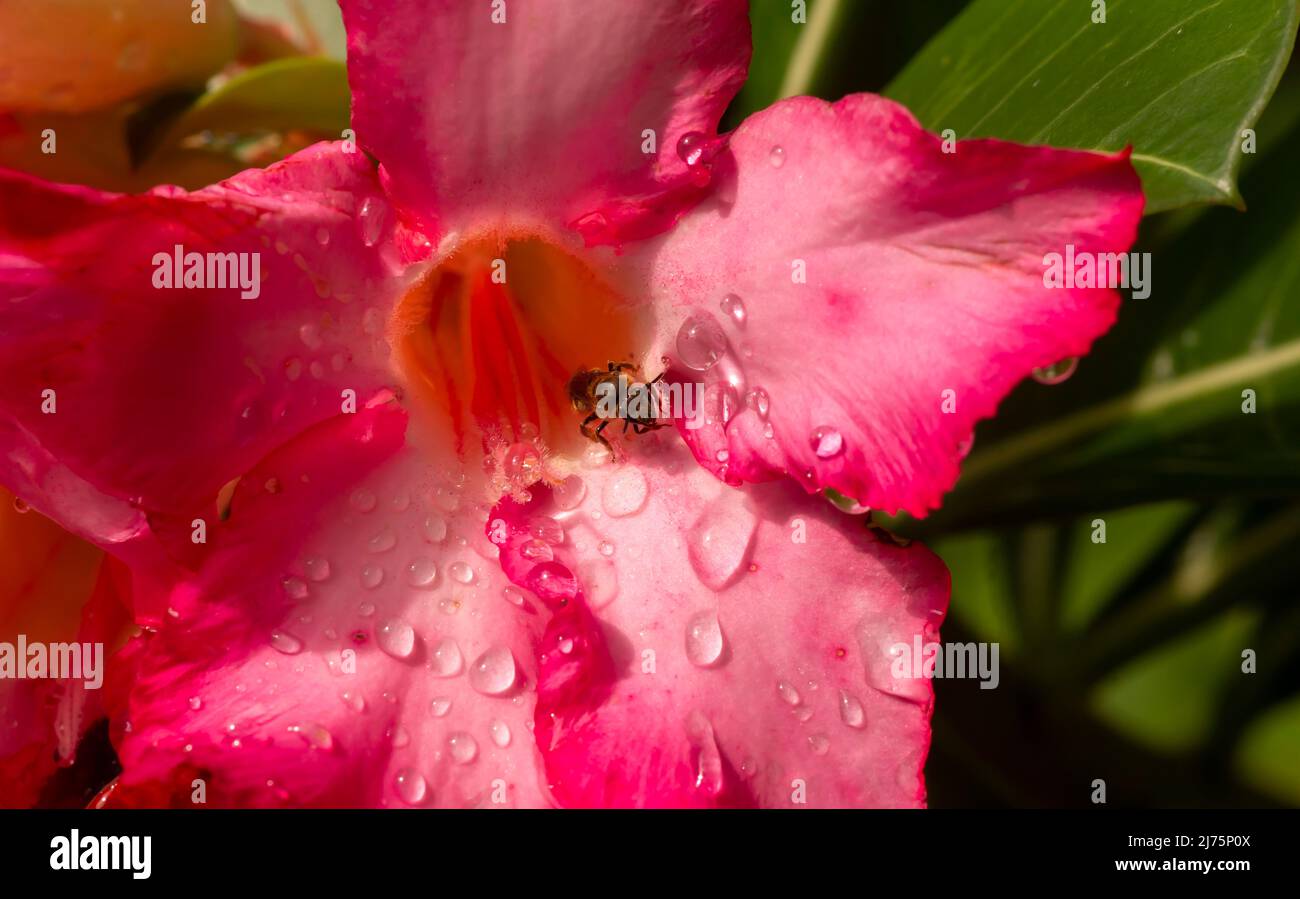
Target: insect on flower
634	402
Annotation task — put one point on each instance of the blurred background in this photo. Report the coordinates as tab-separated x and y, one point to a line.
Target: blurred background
1120	660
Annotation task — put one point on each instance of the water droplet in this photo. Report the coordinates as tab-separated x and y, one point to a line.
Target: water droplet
704	641
370	220
851	711
826	442
569	493
383	541
421	573
410	786
318	569
440	706
295	587
366	609
882	645
460	572
463	748
196	703
625	493
776	157
757	400
696	148
396	638
605	548
493	673
284	642
734	308
355	701
435	529
445	659
315	736
721	539
522	465
372	576
400	737
546	528
513	595
552	583
1058	373
599	582
363	500
500	733
819	743
700	342
789	695
708	760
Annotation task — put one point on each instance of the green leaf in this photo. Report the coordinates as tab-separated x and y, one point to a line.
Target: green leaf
788	55
295	94
1179	80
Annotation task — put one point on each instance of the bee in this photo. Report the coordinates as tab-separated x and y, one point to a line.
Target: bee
589	386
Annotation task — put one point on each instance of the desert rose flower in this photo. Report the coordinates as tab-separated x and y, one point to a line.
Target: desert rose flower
418	583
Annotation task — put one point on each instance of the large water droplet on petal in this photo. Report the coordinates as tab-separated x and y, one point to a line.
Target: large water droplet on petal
569	493
370	220
383	541
733	308
435	528
757	399
460	572
625	493
463	748
522	465
696	148
826	442
704	641
1058	373
700	342
284	642
440	706
720	541
888	663
422	573
493	673
445	659
411	786
776	157
708	760
317	569
500	732
397	638
789	695
851	711
372	576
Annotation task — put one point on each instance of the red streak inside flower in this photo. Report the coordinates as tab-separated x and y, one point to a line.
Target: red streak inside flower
489	339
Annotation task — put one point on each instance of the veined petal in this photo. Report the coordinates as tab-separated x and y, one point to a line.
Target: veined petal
480	112
714	646
875	296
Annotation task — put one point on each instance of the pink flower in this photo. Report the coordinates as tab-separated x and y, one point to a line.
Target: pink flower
439	596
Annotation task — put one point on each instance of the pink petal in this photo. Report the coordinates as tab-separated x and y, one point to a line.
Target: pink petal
204	381
246	685
705	656
924	274
541	118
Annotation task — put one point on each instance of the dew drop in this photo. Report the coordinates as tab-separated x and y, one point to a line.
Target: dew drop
445	659
599	582
553	584
789	695
758	400
500	733
733	307
366	609
314	735
372	576
700	342
704	641
819	743
410	786
383	541
318	569
363	500
851	711
370	220
440	706
569	493
720	541
1059	373
460	572
422	573
196	703
882	646
355	701
284	642
435	529
397	638
493	673
546	528
625	493
522	465
826	442
605	548
463	748
776	157
695	147
295	587
513	595
708	760
537	551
